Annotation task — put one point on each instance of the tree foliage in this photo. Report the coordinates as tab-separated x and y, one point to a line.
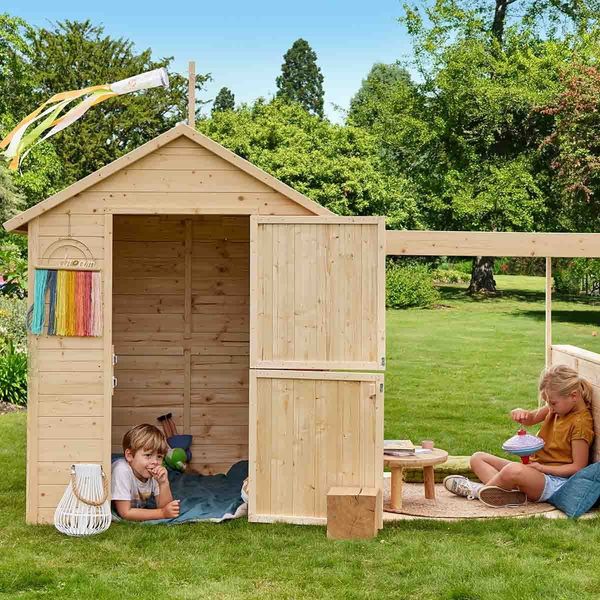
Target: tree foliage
468	134
334	165
225	100
16	81
574	146
11	201
72	55
383	86
496	129
301	79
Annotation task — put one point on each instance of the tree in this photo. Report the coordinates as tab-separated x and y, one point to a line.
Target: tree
43	176
11	202
337	166
225	100
373	97
16	82
573	147
301	79
469	136
73	55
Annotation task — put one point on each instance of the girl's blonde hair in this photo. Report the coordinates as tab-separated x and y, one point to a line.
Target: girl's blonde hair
145	437
563	380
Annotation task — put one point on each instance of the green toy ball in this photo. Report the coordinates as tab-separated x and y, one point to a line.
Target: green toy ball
176	459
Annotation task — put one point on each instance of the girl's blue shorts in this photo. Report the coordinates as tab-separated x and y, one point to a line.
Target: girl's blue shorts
551	485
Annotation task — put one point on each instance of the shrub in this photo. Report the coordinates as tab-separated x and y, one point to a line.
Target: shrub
521	265
463	265
573	276
566	279
13	375
409	284
13	268
13	311
450	276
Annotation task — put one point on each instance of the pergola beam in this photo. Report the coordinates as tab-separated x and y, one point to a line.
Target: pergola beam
479	243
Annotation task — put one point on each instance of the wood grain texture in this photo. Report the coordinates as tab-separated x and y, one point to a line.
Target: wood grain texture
319	293
483	243
310	432
352	512
183	346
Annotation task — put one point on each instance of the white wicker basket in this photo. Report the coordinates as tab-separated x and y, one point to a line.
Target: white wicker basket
85	507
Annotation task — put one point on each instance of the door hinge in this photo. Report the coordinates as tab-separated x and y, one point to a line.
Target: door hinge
114	382
383	361
381	387
114	359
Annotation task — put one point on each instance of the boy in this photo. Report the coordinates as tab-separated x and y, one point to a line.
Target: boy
141	475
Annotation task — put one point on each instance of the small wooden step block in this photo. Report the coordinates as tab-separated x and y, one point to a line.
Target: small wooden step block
353	513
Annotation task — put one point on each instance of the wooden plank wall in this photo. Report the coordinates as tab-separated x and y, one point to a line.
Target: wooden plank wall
219	344
319	294
587	364
312	432
148	321
180	329
181	178
66	389
193	366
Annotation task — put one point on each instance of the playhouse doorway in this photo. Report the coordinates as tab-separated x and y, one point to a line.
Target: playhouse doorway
180	322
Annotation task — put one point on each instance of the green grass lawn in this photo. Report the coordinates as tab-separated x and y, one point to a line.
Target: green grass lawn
453	373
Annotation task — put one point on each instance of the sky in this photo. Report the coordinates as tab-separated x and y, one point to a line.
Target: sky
242	43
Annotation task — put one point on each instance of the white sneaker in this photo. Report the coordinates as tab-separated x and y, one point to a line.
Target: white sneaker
461	486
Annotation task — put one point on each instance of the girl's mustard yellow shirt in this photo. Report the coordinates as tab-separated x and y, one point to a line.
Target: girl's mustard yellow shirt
558	433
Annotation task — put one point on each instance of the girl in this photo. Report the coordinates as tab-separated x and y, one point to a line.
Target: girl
567	431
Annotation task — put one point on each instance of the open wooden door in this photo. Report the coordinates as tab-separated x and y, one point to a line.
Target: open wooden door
317	305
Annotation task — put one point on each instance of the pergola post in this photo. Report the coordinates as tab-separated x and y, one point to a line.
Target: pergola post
548	311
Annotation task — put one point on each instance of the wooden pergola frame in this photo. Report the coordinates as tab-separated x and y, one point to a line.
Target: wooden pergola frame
476	243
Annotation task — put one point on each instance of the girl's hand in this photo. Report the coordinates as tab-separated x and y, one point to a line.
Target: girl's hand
160	474
519	415
537	467
171	510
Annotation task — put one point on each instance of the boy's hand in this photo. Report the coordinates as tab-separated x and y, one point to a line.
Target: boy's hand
160	474
519	415
171	510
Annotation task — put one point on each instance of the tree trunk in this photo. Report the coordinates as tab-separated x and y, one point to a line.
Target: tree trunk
500	18
482	276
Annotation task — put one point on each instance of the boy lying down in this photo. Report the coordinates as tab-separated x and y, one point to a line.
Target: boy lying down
140	475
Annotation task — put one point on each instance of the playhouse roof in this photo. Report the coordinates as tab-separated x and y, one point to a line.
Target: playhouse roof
20	221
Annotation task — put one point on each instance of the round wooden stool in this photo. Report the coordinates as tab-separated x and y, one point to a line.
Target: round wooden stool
425	461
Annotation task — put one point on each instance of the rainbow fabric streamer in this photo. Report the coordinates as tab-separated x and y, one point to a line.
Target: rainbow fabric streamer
74	303
28	133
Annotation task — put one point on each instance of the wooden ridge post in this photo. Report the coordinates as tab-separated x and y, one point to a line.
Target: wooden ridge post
192	94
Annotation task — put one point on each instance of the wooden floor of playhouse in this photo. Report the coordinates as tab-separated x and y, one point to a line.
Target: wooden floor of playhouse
448	507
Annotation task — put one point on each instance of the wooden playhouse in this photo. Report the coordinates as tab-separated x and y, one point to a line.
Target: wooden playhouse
252	314
228	299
